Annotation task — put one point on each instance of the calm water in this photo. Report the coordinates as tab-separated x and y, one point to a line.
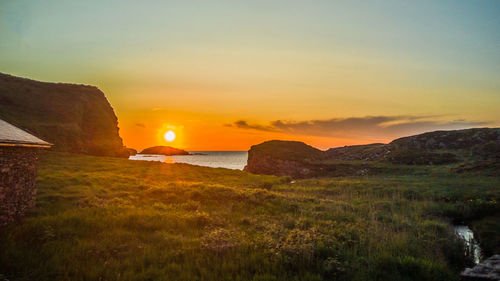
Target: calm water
215	159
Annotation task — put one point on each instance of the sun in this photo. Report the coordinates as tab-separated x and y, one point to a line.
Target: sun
169	136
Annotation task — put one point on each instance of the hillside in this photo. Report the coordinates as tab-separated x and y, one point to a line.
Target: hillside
75	118
461	150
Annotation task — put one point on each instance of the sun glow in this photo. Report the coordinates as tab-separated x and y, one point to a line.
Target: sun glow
169	136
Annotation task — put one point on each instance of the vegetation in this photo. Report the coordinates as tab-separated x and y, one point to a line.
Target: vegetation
103	218
469	150
75	118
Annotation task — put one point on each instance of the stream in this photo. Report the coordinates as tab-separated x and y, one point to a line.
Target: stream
472	246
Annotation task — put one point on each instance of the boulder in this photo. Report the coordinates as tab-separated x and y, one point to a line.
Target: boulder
488	270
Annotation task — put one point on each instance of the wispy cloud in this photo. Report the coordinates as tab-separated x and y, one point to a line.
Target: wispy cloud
140	125
361	127
242	124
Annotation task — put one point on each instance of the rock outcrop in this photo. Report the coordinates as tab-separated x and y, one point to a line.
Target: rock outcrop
131	151
298	160
164	150
471	149
457	139
283	158
75	118
489	269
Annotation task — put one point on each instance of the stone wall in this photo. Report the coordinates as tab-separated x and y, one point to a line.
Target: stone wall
18	171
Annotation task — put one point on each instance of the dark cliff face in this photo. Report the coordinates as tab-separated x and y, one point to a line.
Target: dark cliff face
466	150
75	118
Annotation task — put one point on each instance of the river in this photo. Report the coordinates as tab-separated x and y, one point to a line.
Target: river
472	246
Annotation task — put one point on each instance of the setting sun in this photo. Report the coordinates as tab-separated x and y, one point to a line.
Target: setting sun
169	136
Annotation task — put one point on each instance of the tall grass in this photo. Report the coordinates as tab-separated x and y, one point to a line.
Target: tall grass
101	218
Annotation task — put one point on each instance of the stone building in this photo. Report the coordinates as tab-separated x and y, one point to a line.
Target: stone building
18	170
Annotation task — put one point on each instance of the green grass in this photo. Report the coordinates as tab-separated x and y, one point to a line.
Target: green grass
103	218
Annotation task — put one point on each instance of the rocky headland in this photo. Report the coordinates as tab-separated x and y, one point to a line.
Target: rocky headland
463	150
75	118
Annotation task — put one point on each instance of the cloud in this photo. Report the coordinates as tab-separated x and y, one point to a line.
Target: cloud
140	125
242	124
375	127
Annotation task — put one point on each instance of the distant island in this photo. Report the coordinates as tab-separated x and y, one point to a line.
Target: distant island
164	150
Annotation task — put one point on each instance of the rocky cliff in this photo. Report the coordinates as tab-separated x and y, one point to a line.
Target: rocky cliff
463	150
75	118
283	158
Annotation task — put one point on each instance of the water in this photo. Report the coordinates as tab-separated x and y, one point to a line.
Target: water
216	159
473	248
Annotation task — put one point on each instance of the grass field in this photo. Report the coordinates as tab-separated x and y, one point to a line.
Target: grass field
103	218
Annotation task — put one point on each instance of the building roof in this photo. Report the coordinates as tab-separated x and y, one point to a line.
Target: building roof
11	135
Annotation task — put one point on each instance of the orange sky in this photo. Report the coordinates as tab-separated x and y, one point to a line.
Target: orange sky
210	131
207	132
225	75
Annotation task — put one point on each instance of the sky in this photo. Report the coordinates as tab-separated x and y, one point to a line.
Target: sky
225	75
